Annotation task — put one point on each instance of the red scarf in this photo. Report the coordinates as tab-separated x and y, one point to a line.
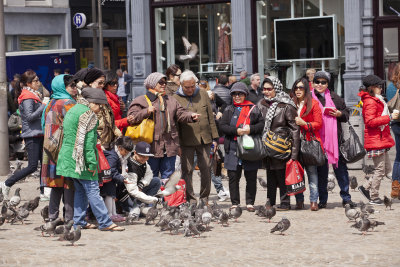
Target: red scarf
25	94
246	106
113	100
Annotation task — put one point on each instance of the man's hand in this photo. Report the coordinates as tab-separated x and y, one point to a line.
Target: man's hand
219	115
150	109
131	119
195	116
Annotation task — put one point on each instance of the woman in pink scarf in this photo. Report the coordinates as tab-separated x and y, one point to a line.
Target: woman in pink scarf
334	112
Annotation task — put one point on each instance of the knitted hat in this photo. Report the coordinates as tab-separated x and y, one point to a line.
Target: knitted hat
322	75
151	81
92	75
94	95
372	80
239	87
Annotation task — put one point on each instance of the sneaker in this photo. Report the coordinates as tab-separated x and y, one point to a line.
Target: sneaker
364	192
227	192
43	198
283	207
222	195
376	201
6	190
117	218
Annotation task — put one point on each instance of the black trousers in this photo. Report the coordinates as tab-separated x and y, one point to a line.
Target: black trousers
251	185
275	179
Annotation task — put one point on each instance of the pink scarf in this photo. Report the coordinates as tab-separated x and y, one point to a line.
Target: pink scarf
328	131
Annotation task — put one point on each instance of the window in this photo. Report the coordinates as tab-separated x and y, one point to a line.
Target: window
38	2
29	43
389	7
196	37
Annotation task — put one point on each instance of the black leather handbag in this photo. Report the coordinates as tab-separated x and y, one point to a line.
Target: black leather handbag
352	149
257	153
311	152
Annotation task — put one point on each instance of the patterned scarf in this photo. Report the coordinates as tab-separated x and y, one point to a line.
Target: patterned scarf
163	109
385	111
33	91
87	122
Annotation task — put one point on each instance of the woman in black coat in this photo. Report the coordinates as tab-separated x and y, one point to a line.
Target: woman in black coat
242	117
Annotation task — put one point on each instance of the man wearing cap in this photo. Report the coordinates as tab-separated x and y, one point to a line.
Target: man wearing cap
166	113
331	135
78	159
140	183
196	137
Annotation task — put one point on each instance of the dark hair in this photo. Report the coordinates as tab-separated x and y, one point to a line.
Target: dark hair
267	73
27	77
172	70
68	80
223	79
67	71
307	94
267	80
125	142
369	90
110	76
57	71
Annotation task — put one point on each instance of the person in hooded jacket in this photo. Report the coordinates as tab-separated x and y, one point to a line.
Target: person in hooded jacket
377	137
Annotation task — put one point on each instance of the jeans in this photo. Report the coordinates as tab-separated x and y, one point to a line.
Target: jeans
34	147
396	164
312	175
88	192
342	176
216	180
251	185
164	166
133	205
58	193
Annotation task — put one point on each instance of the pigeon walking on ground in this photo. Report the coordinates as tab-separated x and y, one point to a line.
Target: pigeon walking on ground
223	218
151	215
206	218
7	213
16	199
235	212
73	235
375	224
353	183
193	228
350	213
45	213
388	202
33	204
21	214
61	230
174	226
262	182
2	220
1	195
281	226
270	211
18	167
49	227
362	225
331	185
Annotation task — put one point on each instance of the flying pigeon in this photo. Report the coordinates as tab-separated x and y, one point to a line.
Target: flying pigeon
172	185
235	212
73	235
191	50
16	199
262	182
388	202
281	226
353	183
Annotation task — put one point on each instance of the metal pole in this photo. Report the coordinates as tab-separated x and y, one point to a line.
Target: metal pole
101	56
4	160
95	44
321	13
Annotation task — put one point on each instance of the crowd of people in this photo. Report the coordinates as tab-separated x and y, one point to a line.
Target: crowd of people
85	120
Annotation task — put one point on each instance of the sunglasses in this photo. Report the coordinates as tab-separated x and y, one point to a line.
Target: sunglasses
177	75
268	88
35	80
101	83
237	94
162	82
320	82
299	88
113	83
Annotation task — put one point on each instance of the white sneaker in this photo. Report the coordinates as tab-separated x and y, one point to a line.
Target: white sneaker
222	196
43	198
6	190
227	192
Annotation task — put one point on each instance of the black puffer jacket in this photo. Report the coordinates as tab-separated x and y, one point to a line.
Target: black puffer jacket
283	121
31	116
223	92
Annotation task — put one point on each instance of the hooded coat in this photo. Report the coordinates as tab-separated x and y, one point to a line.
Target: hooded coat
30	108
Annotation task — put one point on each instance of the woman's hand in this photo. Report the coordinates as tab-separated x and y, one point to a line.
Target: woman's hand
150	109
300	121
131	119
219	116
395	114
335	113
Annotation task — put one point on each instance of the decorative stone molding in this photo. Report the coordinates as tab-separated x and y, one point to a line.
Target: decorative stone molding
352	57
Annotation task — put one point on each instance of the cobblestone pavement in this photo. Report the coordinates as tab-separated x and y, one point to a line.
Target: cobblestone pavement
322	238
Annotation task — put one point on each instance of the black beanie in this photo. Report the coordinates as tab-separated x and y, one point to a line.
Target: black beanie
92	75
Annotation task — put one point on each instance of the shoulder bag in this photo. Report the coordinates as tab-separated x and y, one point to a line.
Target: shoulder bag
352	149
278	147
311	153
143	131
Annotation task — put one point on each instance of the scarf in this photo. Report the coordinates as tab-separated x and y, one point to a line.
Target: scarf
244	112
163	109
328	131
114	103
124	161
385	111
87	122
28	93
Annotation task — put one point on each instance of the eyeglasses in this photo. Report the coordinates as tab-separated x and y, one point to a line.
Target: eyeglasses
113	83
101	83
299	88
237	94
320	82
177	75
162	82
268	88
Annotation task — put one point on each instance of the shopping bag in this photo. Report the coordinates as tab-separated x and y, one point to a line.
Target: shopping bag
143	131
103	168
248	142
352	149
294	178
177	198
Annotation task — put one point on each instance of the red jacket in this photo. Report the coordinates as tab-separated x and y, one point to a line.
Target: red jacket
115	106
374	138
314	117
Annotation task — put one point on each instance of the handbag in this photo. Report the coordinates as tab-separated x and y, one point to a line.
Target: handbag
311	152
143	131
294	179
394	103
352	149
15	122
278	147
103	167
52	144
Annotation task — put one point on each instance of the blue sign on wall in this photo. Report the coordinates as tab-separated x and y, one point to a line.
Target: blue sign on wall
79	20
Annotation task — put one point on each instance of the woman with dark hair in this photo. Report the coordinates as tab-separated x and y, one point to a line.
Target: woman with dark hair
116	104
377	137
31	108
309	118
173	75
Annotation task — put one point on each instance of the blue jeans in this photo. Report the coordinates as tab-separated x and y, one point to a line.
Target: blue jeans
312	174
34	147
342	176
396	164
88	192
162	167
216	180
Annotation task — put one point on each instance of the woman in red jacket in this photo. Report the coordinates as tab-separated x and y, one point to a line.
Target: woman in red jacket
377	138
310	120
110	88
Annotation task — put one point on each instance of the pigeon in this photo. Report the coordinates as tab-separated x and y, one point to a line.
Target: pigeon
281	226
18	167
331	178
362	225
61	230
353	183
215	210
21	214
262	182
375	224
7	213
193	228
331	185
368	169
132	218
260	211
270	211
33	204
164	221
49	227
174	226
172	185
184	213
45	213
223	218
73	235
2	220
235	213
16	199
388	202
206	218
191	50
151	215
1	195
350	213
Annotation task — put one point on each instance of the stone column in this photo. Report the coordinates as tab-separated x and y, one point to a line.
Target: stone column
241	36
368	28
354	49
140	50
